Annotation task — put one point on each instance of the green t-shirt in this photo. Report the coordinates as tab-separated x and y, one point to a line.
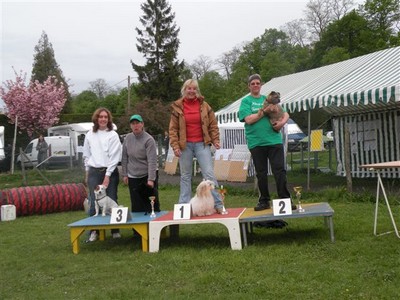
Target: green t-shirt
260	133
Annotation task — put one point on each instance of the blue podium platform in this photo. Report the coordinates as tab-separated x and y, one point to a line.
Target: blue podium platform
139	222
322	209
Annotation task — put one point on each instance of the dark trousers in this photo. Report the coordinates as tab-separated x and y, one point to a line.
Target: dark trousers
140	193
275	155
96	177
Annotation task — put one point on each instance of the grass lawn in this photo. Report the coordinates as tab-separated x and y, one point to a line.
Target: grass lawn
299	262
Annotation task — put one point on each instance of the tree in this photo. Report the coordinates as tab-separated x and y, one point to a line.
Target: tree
346	38
228	59
297	32
384	19
201	66
334	55
274	64
159	78
212	87
37	105
45	65
100	88
85	103
320	13
155	115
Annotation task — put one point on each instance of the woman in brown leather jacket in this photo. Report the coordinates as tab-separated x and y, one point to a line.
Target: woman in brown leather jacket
193	128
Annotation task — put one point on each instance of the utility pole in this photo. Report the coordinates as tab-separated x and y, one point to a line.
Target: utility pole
129	93
14	143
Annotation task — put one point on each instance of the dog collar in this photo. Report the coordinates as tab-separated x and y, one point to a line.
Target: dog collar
101	198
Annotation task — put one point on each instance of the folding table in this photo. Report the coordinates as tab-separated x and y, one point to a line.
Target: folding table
378	167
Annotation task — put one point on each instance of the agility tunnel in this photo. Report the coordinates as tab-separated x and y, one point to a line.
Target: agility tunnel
39	200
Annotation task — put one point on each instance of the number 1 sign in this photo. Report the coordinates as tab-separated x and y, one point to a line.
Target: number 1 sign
182	211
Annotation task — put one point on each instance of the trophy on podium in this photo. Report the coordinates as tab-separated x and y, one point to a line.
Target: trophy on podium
298	190
152	199
222	192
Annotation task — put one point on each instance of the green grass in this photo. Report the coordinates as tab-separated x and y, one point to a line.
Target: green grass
299	262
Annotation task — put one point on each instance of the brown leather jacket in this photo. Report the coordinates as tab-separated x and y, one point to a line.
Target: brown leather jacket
177	125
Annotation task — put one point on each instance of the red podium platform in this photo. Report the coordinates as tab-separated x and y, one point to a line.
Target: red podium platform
230	220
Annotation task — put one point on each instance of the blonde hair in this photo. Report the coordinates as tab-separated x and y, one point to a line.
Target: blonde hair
192	82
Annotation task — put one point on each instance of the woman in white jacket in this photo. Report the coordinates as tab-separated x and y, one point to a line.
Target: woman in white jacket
102	152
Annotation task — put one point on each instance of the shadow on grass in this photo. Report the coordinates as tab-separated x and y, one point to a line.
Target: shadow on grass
287	236
196	242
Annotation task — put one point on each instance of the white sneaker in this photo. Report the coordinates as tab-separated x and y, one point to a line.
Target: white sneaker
93	236
116	235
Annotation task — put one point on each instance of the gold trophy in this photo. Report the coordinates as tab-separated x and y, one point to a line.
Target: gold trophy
152	199
298	190
222	192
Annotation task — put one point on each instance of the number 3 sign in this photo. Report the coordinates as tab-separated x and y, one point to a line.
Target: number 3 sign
120	215
282	207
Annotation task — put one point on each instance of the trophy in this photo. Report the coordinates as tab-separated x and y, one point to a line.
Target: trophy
222	192
298	190
152	199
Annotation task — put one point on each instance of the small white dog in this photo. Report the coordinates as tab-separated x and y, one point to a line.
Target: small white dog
203	202
103	201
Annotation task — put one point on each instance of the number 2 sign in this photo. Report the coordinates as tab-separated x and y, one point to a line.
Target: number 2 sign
282	207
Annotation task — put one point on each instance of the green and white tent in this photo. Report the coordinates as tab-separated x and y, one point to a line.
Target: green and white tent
362	94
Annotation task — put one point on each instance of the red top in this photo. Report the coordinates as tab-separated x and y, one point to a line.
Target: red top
191	110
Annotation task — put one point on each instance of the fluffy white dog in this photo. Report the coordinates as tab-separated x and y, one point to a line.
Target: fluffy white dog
103	201
203	202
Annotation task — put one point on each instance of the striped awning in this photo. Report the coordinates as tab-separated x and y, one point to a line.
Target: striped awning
367	82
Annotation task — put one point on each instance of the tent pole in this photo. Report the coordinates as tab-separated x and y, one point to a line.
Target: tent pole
308	149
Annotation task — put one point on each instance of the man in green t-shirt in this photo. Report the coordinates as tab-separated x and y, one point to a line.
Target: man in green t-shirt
265	143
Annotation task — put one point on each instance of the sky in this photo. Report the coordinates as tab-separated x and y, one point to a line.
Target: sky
97	39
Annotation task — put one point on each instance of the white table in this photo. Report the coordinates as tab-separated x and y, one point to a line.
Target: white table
378	167
230	221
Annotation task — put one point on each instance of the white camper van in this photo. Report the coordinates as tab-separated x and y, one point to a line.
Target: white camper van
61	151
77	132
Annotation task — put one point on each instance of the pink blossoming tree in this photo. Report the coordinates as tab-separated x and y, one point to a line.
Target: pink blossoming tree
37	105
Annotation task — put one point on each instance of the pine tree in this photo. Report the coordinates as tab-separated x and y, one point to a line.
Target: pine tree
45	65
159	78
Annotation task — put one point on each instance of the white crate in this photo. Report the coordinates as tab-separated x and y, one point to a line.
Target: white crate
8	212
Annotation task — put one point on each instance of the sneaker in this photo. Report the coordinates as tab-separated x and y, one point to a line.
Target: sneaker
116	235
92	237
262	206
294	207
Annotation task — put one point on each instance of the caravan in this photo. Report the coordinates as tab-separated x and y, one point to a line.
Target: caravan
61	151
77	132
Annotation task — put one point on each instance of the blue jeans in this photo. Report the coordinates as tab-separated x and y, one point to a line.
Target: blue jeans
96	177
203	154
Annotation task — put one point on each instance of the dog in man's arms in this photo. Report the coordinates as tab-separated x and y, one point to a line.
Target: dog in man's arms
203	202
101	200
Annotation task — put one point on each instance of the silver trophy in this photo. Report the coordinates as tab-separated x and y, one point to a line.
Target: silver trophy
298	190
152	199
222	192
